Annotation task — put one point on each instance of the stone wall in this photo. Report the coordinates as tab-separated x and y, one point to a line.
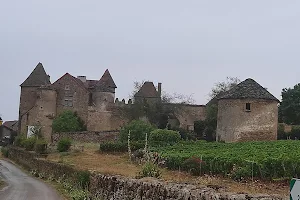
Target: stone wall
87	136
119	188
236	124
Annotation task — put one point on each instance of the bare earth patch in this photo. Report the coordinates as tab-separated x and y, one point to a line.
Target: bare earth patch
119	164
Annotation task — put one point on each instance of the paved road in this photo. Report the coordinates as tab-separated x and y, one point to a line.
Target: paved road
23	187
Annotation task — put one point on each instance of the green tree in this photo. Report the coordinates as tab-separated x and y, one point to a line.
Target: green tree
68	121
138	130
289	109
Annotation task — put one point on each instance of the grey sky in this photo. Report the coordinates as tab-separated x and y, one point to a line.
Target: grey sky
186	45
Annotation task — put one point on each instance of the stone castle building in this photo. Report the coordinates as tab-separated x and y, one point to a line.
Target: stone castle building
247	112
93	100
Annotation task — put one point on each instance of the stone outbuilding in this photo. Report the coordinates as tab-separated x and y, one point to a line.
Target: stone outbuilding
247	112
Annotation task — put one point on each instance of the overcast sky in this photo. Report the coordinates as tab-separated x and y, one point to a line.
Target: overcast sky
187	45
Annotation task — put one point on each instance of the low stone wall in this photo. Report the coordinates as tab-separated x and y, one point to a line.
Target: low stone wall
87	136
118	187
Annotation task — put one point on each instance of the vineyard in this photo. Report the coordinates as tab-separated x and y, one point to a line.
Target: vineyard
264	160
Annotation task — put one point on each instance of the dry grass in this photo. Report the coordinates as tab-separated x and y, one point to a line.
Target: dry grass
119	164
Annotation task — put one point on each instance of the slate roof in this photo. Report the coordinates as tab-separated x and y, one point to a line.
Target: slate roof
106	83
38	77
147	90
248	89
13	125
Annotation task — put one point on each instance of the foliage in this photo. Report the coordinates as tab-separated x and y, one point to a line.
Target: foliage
164	136
289	109
281	135
224	86
83	178
19	140
265	160
137	129
68	122
199	127
29	143
120	146
211	122
64	145
185	134
295	133
40	146
4	151
193	165
149	170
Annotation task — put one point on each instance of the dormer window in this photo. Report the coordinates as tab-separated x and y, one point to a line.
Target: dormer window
248	107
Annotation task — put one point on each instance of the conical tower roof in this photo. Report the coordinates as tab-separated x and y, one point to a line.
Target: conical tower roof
106	83
147	90
38	77
248	89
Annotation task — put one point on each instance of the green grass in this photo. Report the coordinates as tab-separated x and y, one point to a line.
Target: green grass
269	160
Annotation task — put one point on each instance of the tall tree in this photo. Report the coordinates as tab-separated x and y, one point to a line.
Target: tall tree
289	109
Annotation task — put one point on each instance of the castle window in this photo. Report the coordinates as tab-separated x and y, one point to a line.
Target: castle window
68	102
67	87
248	107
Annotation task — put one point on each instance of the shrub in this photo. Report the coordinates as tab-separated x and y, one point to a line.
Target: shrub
281	135
40	146
19	140
185	134
149	170
67	122
29	143
83	178
138	130
164	136
120	146
193	165
64	145
4	152
295	133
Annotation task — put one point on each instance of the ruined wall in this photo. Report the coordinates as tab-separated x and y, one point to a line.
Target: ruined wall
188	114
99	120
87	136
102	100
236	124
28	99
67	88
119	187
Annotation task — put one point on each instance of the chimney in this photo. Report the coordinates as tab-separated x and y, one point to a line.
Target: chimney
82	78
159	89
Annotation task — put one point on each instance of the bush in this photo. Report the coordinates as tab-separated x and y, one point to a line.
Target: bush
64	145
295	133
4	152
149	170
164	136
281	135
83	178
138	130
193	165
199	127
29	143
68	122
40	146
19	140
120	146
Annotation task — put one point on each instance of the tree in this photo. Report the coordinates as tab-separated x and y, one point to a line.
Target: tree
289	109
67	122
224	86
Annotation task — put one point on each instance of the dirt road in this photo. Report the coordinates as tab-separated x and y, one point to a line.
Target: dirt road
20	186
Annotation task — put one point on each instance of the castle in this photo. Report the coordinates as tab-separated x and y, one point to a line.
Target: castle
93	100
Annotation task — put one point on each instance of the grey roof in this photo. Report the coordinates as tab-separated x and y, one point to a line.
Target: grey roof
106	83
38	77
147	90
248	89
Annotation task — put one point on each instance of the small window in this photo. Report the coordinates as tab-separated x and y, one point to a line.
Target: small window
67	87
68	102
248	107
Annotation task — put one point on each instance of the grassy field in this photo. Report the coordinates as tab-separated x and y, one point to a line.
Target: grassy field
264	160
119	164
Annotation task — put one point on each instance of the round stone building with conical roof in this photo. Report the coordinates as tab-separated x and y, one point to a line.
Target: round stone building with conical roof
247	112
